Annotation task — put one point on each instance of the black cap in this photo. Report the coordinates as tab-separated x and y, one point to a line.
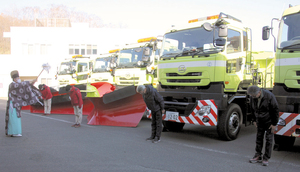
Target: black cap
68	87
41	86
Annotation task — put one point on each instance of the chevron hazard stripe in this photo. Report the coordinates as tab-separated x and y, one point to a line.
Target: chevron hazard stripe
290	124
209	119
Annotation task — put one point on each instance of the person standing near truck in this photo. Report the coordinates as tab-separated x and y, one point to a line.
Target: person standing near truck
77	103
155	103
47	96
265	114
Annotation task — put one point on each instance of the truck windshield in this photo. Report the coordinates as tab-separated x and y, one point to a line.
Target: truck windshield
133	57
102	64
198	39
289	32
67	68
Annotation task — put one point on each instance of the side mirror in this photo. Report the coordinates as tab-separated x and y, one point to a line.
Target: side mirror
155	46
147	51
223	30
266	32
74	71
221	42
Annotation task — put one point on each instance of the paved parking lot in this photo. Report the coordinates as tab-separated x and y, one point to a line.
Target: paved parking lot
49	143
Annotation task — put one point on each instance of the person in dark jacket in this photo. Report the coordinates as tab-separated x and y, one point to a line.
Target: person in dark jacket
265	114
77	103
47	96
155	103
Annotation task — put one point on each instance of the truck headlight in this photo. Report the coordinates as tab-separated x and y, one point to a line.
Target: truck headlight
205	110
281	122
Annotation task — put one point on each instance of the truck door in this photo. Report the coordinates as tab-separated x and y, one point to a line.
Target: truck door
82	72
235	59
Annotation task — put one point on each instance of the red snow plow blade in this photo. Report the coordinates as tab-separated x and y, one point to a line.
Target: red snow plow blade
122	108
26	107
61	103
64	108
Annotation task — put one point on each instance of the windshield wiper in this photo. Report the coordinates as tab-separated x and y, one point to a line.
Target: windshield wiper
202	53
186	52
197	50
169	55
289	46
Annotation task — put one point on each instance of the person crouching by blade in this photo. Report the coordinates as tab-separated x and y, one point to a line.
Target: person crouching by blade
19	94
46	95
155	103
77	103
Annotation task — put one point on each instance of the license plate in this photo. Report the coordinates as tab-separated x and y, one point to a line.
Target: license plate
171	115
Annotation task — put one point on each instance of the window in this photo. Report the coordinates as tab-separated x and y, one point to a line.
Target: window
71	49
31	49
245	41
82	67
94	49
47	81
76	48
44	49
82	52
82	49
91	66
233	65
89	49
233	41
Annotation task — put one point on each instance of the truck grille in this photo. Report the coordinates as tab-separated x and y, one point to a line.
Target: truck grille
82	77
184	80
188	74
133	78
129	83
183	108
101	79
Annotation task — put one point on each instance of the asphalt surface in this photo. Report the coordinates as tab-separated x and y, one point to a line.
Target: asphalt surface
49	143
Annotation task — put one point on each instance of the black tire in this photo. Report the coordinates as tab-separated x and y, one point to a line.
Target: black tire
173	126
229	123
283	142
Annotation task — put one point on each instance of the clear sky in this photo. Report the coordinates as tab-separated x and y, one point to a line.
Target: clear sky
161	14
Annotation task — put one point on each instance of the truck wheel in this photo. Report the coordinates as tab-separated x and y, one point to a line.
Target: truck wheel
173	126
229	123
283	142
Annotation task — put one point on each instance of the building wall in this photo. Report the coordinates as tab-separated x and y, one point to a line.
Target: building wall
31	47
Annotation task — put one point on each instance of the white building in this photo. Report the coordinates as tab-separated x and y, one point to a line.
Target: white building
31	47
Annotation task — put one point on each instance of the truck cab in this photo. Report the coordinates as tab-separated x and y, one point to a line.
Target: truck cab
75	70
204	70
104	66
287	75
137	63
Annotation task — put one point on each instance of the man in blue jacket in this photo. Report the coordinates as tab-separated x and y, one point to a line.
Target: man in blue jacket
155	103
265	114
